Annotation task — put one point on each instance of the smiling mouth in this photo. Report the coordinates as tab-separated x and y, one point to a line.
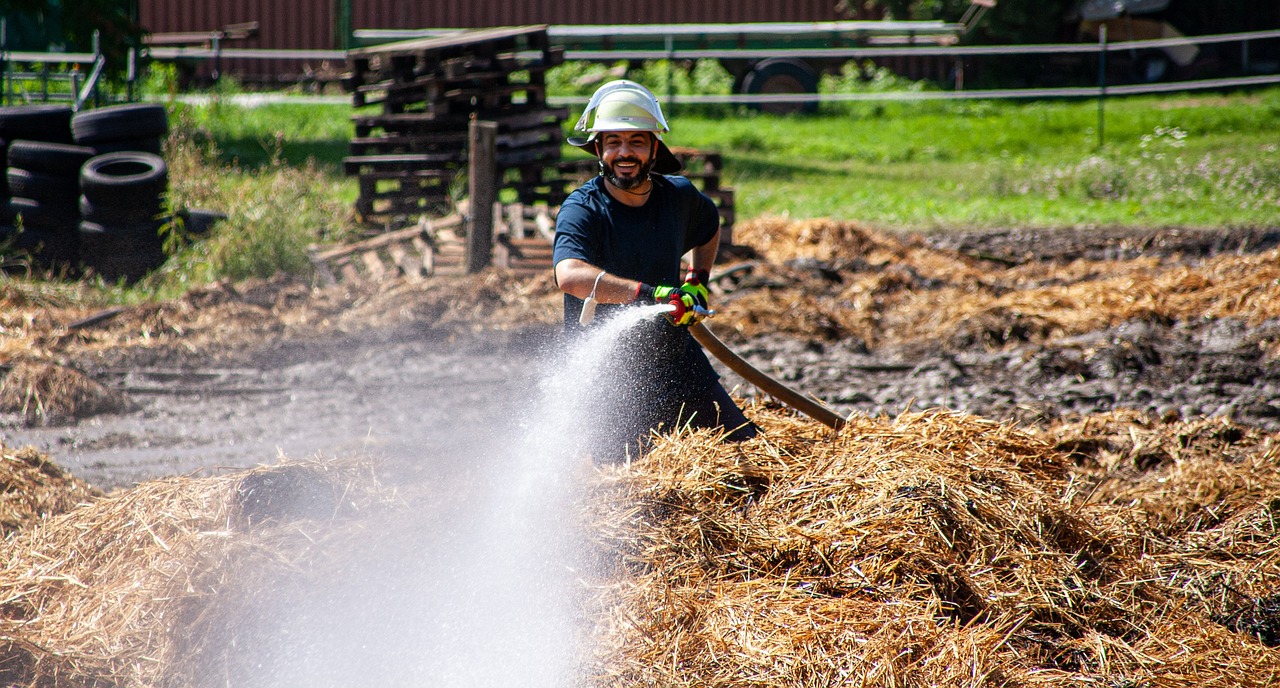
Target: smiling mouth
627	165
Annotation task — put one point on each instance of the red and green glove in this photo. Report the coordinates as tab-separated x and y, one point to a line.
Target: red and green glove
688	301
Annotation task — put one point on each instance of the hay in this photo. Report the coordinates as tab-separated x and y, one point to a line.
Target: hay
928	549
32	488
886	290
157	585
48	393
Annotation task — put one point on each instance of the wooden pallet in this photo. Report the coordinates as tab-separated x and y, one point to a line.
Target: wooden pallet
523	236
428	248
428	92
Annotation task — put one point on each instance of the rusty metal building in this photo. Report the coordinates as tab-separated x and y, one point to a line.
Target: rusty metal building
470	13
327	24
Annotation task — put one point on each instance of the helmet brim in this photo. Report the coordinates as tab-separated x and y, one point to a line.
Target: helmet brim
665	162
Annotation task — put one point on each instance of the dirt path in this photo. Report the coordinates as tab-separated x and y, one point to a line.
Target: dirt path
384	394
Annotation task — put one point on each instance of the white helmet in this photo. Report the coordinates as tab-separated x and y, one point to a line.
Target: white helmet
625	105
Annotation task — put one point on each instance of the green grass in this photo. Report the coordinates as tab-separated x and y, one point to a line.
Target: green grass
1181	160
1200	161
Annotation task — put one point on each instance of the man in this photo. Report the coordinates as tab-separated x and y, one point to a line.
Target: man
620	239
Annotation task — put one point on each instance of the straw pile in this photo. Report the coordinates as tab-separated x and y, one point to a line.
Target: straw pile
157	586
829	280
43	392
928	549
32	488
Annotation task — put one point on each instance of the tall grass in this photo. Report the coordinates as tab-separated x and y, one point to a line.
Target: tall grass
275	209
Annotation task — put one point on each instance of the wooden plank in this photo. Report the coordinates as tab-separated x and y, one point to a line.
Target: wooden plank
530	136
513	158
437	43
349	273
546	227
406	161
373	265
408	142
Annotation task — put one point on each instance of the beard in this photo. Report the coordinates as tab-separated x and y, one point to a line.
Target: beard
626	183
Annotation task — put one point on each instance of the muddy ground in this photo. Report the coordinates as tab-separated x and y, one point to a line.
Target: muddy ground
419	400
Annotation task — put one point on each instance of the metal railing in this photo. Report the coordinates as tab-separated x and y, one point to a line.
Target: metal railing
28	76
1100	49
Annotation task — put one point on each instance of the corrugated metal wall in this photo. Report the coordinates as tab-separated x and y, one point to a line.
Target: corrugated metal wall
312	24
399	14
298	24
294	25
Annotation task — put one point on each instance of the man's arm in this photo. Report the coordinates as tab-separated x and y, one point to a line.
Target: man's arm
704	256
576	277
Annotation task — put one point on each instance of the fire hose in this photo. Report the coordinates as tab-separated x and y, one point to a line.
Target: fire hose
768	385
737	364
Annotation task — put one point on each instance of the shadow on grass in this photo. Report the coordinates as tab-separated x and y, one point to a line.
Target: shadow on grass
765	168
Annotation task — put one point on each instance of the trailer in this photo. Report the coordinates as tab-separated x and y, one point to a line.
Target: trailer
759	31
763	57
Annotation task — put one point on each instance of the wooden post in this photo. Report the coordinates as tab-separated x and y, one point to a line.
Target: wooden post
483	185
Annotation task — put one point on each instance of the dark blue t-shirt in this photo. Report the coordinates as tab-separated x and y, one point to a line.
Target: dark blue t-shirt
643	243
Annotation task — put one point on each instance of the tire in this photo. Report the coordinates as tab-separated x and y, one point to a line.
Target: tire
198	222
50	248
1150	66
42	186
151	145
120	253
36	123
44	156
111	214
124	178
120	122
781	75
39	214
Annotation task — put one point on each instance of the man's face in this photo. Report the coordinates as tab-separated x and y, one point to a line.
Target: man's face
626	157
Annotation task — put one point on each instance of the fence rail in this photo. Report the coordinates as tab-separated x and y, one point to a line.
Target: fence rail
62	71
1101	48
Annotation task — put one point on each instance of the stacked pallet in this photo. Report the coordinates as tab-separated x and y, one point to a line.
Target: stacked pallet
413	253
409	154
523	233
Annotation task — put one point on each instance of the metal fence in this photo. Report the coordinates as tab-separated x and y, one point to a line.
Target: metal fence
1099	51
56	76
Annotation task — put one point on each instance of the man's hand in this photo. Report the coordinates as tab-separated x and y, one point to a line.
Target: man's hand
696	283
689	302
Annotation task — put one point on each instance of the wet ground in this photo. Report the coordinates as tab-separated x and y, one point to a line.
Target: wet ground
420	402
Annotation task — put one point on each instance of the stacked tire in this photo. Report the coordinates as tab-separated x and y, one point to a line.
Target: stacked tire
44	181
37	190
122	214
122	189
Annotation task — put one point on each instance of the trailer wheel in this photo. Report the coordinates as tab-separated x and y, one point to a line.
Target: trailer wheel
782	75
1150	66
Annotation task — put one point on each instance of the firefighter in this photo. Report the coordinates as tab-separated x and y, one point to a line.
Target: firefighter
620	239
